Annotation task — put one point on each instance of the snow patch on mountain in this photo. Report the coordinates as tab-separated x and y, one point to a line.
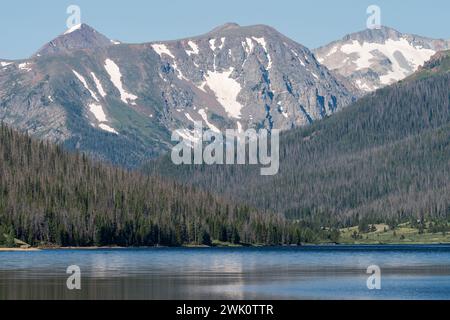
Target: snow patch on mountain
226	90
202	86
188	116
95	108
298	57
161	49
194	48
83	81
262	42
116	78
204	116
363	86
97	111
281	110
222	43
107	128
179	73
25	66
332	51
72	29
212	44
248	45
98	85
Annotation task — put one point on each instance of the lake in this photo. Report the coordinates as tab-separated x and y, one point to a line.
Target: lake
309	272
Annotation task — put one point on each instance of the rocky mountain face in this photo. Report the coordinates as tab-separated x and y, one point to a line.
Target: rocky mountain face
372	59
120	102
240	77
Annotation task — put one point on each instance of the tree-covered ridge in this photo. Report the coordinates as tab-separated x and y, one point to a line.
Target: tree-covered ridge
387	157
48	196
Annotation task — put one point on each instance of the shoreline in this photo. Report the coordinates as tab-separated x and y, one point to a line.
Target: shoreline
19	249
37	249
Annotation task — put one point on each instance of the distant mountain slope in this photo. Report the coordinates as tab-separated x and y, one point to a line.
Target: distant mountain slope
439	64
372	59
385	157
48	196
120	102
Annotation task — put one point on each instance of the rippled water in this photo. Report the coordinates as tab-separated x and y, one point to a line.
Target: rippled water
316	272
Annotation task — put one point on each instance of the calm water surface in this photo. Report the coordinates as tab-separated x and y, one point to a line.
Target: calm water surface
316	272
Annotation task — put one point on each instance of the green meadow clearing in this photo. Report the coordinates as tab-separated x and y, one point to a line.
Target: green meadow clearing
403	234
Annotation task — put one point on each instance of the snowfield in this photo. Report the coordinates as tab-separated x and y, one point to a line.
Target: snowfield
416	56
226	91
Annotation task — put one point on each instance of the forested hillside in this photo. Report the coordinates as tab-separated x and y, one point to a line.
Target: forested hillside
385	158
50	197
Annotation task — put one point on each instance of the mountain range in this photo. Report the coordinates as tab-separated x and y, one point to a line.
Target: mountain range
120	102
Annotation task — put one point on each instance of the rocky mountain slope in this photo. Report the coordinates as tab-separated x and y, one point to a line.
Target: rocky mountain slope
372	59
120	102
239	77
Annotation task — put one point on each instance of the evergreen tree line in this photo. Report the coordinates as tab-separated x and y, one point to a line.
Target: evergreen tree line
51	197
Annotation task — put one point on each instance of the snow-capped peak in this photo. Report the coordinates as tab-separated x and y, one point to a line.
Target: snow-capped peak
377	58
72	29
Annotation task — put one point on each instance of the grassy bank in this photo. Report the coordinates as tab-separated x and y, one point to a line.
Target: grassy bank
404	234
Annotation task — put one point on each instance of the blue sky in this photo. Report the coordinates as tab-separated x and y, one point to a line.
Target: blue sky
26	25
